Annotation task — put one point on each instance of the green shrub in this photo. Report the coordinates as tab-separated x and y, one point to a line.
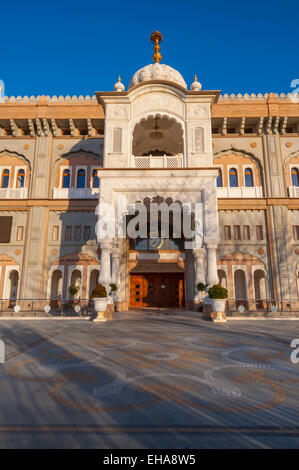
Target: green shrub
217	292
73	290
99	291
201	286
113	287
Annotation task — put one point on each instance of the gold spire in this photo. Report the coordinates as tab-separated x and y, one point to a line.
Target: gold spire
195	78
119	79
156	38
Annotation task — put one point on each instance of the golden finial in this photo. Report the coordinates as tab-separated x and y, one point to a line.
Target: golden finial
119	79
195	78
156	38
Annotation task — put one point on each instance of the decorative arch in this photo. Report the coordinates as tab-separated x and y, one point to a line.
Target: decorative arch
10	153
161	131
242	153
291	160
73	159
146	98
249	264
14	162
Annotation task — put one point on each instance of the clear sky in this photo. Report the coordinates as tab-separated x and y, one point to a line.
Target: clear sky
78	47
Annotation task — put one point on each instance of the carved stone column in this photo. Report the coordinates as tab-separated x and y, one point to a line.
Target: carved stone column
115	277
105	266
212	276
199	275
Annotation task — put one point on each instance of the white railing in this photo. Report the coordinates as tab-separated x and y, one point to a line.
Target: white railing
75	193
294	191
243	191
13	193
158	161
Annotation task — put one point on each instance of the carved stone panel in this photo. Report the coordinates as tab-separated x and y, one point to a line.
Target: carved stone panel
159	102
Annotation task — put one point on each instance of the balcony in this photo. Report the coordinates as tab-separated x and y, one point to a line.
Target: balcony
13	193
240	192
293	191
75	193
158	161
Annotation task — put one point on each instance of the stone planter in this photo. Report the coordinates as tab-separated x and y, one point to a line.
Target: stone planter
218	309
100	305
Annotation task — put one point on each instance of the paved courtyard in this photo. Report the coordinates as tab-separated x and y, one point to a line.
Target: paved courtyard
148	380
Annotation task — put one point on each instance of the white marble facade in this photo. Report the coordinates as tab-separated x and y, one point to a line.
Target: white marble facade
159	94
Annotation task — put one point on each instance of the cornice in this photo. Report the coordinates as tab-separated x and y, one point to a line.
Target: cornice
158	172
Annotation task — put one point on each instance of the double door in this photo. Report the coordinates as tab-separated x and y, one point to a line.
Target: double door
157	290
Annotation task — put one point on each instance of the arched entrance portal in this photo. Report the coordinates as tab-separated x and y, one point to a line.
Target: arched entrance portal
56	287
240	288
158	270
76	282
93	280
13	283
260	288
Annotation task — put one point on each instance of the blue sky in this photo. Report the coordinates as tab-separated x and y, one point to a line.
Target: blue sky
63	47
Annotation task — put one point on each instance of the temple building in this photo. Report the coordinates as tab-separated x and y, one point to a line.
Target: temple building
157	140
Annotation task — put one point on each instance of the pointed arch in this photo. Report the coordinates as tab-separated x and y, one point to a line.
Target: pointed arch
242	153
7	152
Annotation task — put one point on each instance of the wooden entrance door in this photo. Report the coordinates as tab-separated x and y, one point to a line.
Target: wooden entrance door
157	290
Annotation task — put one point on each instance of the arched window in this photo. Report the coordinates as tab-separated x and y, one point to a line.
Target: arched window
5	179
81	179
66	178
219	179
295	176
95	179
233	178
20	179
248	177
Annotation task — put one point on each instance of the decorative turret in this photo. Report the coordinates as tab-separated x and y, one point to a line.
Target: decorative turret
196	85
119	86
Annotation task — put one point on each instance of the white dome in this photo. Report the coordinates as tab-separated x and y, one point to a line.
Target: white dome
196	85
157	72
119	86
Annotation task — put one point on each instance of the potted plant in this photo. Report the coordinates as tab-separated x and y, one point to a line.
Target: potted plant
201	287
218	295
113	291
99	296
73	290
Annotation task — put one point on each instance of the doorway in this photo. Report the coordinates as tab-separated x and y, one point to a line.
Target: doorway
157	290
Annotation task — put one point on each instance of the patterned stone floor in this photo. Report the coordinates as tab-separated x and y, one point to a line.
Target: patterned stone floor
148	381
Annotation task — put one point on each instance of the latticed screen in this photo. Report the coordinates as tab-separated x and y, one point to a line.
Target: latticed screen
117	137
142	162
5	229
199	139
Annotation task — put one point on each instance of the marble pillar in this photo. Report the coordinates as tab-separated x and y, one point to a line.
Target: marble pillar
199	275
105	266
115	276
212	275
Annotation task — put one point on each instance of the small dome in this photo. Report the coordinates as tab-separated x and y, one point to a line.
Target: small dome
196	86
157	72
119	86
